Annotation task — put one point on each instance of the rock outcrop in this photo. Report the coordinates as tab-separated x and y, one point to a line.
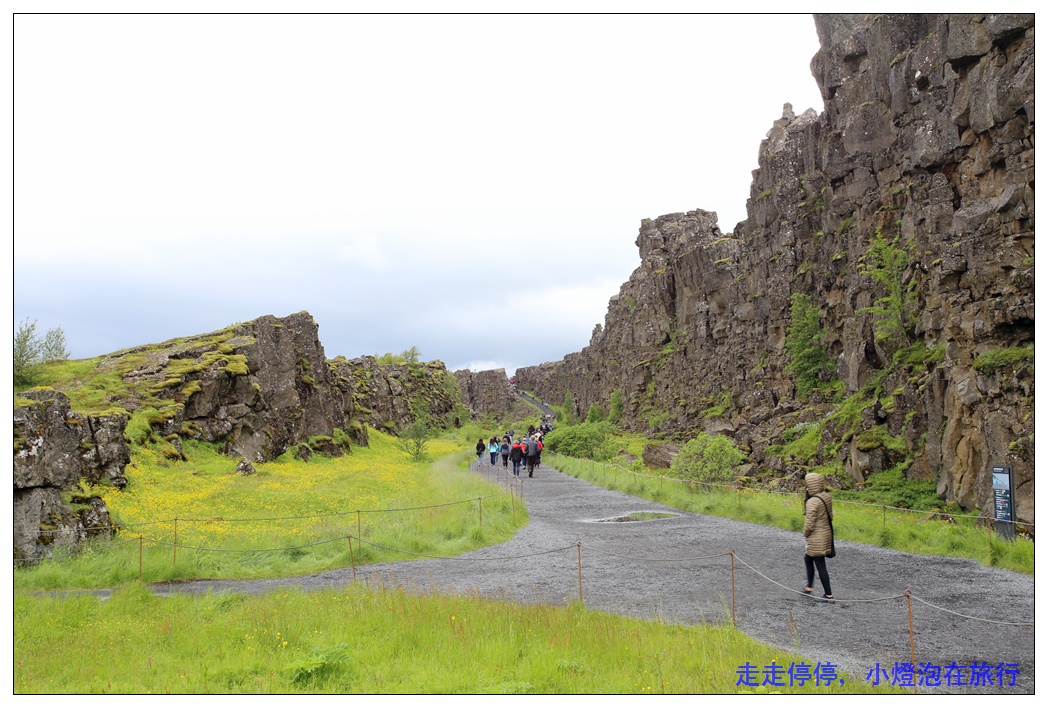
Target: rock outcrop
391	396
926	146
256	389
486	393
54	449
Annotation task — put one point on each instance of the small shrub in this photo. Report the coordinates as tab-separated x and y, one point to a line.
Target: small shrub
596	414
707	458
320	663
720	408
893	488
587	440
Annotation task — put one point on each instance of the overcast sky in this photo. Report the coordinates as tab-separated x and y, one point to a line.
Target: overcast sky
471	185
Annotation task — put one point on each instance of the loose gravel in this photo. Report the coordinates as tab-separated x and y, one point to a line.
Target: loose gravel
675	570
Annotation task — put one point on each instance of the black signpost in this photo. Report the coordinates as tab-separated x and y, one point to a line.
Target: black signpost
1003	501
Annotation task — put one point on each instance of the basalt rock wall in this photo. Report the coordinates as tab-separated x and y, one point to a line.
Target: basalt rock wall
926	142
54	448
257	388
486	393
392	396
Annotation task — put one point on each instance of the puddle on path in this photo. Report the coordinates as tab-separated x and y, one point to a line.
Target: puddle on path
636	516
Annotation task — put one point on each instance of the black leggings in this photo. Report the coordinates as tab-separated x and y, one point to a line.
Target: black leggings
823	573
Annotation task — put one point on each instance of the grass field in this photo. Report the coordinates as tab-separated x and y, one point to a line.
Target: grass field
290	518
367	640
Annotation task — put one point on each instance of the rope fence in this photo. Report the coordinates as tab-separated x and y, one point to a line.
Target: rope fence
578	547
907	594
116	527
512	487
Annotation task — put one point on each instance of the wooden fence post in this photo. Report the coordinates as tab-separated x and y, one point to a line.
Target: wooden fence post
580	598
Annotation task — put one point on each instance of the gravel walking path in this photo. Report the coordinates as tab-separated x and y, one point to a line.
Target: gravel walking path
665	569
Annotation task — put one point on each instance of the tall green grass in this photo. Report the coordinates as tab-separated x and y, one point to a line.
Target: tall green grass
899	530
369	640
290	518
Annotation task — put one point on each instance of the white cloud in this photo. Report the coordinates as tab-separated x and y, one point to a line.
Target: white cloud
367	251
410	180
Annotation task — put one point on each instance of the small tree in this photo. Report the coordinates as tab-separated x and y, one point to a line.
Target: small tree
54	347
617	406
568	408
412	355
414	437
30	351
896	313
805	344
26	353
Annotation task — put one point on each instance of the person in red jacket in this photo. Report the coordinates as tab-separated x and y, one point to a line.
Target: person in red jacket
516	455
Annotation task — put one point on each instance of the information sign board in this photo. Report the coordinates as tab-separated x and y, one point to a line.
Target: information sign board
1003	500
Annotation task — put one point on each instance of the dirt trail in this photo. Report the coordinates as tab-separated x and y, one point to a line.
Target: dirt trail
648	570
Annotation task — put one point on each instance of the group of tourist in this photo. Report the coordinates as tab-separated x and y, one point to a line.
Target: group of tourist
523	451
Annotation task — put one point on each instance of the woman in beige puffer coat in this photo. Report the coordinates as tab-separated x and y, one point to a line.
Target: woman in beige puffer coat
818	509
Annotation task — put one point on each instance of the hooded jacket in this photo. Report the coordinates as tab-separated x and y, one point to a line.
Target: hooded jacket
517	452
816	516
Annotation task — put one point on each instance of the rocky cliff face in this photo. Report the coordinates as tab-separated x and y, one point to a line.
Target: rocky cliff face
54	448
486	393
926	144
390	397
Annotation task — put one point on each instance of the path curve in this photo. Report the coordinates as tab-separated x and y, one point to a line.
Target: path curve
643	570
